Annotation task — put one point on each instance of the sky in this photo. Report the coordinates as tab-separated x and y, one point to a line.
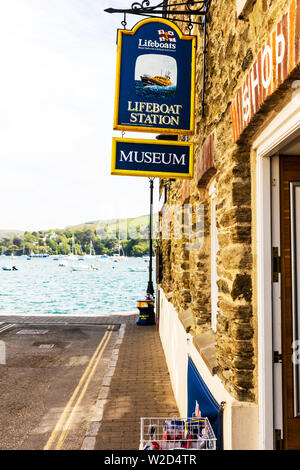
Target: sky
57	85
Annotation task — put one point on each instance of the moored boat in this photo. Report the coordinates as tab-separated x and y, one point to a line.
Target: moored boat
79	267
63	263
9	268
138	269
83	267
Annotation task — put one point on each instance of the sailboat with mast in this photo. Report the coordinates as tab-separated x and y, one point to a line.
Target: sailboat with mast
73	252
117	256
92	251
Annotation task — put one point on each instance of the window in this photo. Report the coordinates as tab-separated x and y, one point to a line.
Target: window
213	259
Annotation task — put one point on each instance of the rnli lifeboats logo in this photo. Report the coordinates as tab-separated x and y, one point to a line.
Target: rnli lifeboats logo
166	36
165	40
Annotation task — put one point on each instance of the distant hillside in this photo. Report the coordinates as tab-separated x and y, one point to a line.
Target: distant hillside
10	233
110	227
99	236
143	219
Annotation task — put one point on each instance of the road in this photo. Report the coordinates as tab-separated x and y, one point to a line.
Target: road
50	377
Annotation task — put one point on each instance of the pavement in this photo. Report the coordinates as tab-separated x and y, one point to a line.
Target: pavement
139	387
136	382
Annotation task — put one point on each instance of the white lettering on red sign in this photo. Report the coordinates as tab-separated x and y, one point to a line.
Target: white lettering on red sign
276	60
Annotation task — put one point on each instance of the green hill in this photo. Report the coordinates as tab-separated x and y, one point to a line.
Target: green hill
111	227
10	233
101	236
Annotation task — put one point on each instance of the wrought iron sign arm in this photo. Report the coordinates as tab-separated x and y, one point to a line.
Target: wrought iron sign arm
193	8
143	8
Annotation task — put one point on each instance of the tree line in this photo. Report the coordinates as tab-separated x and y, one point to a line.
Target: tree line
64	242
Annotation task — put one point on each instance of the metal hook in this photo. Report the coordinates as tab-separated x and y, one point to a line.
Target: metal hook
124	22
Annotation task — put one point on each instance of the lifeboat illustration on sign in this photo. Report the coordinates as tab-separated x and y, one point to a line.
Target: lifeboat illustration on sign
147	80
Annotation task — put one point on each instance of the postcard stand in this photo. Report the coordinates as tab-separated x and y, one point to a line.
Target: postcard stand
177	433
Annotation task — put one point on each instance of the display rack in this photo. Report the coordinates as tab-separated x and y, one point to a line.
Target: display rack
177	433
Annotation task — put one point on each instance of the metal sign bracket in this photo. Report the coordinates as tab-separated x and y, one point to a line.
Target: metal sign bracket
191	8
162	9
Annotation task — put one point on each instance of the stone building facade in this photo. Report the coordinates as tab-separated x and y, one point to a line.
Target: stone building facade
218	302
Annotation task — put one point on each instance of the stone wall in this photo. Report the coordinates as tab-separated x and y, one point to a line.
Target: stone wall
232	46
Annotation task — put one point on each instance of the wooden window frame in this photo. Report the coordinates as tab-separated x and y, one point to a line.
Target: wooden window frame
214	251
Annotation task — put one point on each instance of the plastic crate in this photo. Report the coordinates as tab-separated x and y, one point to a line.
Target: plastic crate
177	433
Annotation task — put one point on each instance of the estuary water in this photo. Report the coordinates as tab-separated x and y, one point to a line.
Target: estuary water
50	286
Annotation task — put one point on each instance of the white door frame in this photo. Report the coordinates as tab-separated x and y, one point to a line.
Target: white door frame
213	258
278	133
276	295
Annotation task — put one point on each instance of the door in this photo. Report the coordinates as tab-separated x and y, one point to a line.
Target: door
290	295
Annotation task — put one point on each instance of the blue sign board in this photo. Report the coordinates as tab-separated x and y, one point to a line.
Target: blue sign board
152	158
155	84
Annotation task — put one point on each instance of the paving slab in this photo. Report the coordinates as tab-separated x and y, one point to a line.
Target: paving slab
139	387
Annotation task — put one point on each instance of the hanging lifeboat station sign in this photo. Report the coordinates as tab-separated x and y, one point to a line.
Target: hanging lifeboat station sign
152	158
155	82
276	60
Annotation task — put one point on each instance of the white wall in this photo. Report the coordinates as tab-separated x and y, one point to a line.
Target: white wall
240	420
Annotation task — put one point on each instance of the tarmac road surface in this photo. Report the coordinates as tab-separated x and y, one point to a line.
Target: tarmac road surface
50	377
